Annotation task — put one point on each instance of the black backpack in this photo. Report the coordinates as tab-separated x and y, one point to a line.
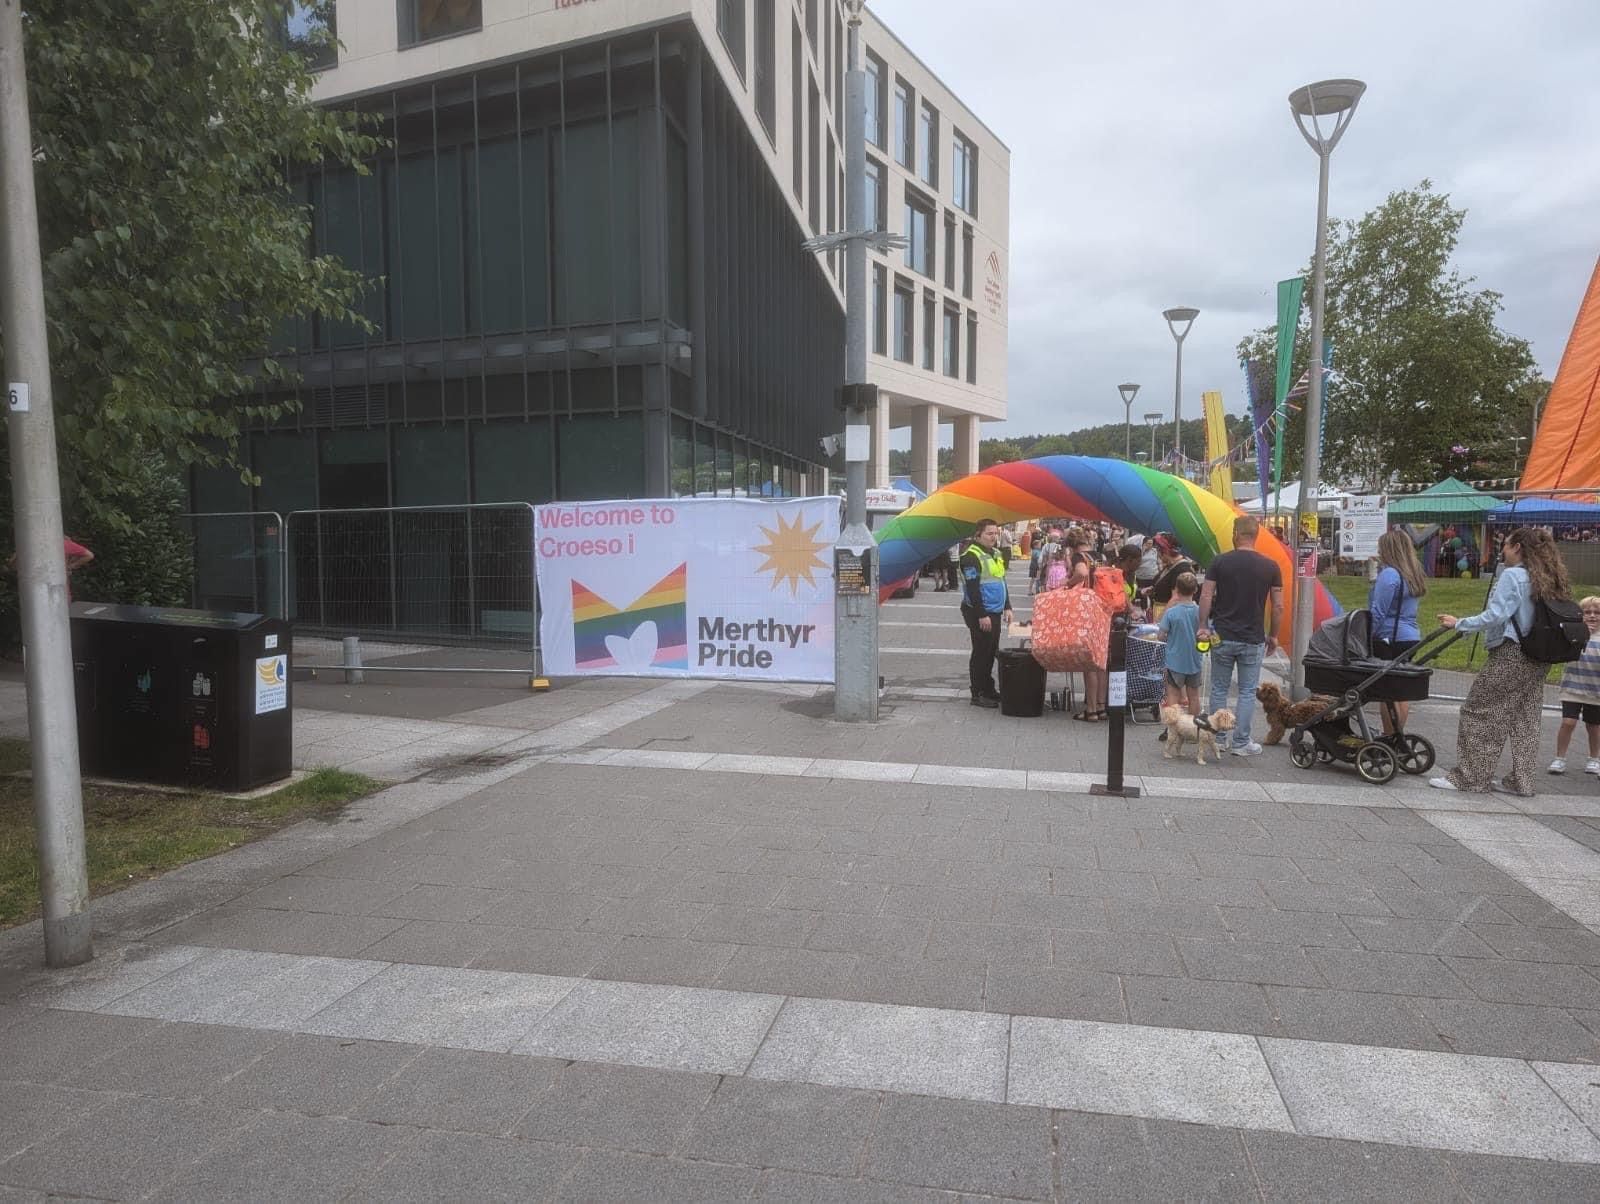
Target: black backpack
1558	634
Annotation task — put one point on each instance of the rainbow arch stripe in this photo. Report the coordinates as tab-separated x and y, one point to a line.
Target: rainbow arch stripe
665	603
1081	487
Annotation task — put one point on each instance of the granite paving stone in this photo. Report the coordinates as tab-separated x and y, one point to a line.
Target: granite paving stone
1314	1014
785	971
1083	913
1291	1168
32	1112
792	1126
1172	1074
1068	993
297	892
460	1090
676	962
1128	915
1578	1085
1387	934
1131	1158
917	982
755	926
645	917
429	902
674	1028
1117	953
1537	983
1340	900
438	943
961	1145
938	904
1412	1097
618	1107
611	1175
1510	1030
1576	946
995	943
725	889
799	1187
50	1046
116	971
874	935
176	1061
1231	892
547	951
1484	1177
1392	973
317	1076
315	934
565	909
467	1166
1247	961
1221	1007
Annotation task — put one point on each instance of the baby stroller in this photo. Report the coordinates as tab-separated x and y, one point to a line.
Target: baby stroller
1339	662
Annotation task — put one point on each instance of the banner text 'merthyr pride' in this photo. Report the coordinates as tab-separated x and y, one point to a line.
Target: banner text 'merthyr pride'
761	631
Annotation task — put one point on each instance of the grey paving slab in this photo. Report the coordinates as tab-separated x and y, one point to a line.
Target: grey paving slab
438	943
791	1126
877	935
1510	1031
49	1046
961	1145
675	1028
1441	1101
1292	1168
283	1157
547	951
177	1061
611	1175
1132	915
304	892
755	926
467	1166
1117	953
860	771
810	894
1060	991
115	972
671	962
1244	961
1536	983
618	1107
1304	928
1076	904
316	1076
784	971
1577	1085
1223	1007
1576	946
1128	1158
959	1055
1352	1016
461	1009
245	987
642	917
1405	935
801	1187
426	901
1010	944
33	1112
1484	1177
1170	1074
1391	973
315	934
956	983
460	1090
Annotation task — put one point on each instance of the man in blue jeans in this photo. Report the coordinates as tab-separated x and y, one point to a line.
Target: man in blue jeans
1233	604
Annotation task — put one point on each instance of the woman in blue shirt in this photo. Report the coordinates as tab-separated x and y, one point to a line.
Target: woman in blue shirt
1392	605
1507	697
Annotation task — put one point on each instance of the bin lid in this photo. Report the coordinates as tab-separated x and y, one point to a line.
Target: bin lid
165	616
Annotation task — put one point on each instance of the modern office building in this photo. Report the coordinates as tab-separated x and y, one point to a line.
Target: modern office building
585	231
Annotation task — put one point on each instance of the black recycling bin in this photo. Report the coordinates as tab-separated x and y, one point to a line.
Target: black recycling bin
182	697
1021	683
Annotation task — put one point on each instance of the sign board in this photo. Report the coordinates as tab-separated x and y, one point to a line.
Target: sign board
17	397
272	683
890	499
852	574
687	587
1117	689
1362	522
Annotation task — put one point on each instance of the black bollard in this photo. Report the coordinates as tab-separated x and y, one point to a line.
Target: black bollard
1117	707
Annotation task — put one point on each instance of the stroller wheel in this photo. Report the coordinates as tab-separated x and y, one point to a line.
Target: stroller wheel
1376	763
1303	754
1414	754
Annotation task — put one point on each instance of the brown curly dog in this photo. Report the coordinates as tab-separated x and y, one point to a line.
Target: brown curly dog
1283	714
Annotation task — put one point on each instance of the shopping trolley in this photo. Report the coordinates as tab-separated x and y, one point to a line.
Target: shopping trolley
1146	663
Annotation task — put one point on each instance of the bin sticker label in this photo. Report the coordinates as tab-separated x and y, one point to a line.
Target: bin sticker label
1117	690
271	643
272	684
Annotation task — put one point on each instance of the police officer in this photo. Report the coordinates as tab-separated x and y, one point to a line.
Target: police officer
986	606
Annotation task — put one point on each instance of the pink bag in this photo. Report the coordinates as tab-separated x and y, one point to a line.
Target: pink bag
1055	576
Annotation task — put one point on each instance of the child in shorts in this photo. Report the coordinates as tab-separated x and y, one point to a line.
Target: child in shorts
1179	623
1580	694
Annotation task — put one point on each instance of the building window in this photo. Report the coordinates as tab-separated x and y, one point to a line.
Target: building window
952	342
930	325
311	30
767	67
877	195
813	145
905	300
928	145
966	262
811	19
833	196
950	251
839	53
425	20
730	24
972	348
797	112
905	130
964	166
880	309
919	229
876	115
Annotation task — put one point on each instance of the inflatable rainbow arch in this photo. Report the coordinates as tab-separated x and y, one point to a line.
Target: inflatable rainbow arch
1080	487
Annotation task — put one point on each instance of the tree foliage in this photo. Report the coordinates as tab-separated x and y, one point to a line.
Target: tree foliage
165	133
1420	366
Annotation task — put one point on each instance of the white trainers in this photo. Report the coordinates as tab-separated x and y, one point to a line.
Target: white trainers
1593	766
1442	784
1246	750
1559	765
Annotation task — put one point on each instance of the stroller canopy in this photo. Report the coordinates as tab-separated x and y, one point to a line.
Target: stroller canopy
1342	639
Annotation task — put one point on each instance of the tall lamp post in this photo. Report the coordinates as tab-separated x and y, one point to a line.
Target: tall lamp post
1184	316
855	642
1336	99
1129	392
1153	420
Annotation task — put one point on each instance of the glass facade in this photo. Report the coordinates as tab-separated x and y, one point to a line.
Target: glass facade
964	169
905	303
928	145
426	20
919	232
876	95
905	129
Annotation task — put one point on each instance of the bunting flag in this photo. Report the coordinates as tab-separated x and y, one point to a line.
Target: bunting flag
1289	294
1258	388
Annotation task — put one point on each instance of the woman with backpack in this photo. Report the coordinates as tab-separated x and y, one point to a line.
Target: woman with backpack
1523	622
1392	606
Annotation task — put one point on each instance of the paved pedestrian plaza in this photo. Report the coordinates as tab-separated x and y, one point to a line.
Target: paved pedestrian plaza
687	940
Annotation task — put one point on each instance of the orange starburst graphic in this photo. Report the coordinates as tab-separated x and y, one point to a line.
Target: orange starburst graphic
792	553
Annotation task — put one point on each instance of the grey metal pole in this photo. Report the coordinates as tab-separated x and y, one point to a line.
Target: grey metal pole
855	644
36	502
1311	470
1127	419
1177	411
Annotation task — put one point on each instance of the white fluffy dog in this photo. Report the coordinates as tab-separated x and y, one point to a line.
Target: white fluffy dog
1183	726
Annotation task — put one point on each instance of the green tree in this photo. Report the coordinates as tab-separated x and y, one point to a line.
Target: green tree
997	451
1419	363
166	133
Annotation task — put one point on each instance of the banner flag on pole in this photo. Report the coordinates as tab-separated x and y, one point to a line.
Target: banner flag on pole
1258	387
1217	446
1289	294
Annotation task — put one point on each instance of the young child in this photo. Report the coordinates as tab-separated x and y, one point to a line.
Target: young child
1580	694
1178	627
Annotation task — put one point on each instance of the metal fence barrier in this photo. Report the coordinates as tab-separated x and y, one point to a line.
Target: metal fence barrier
420	582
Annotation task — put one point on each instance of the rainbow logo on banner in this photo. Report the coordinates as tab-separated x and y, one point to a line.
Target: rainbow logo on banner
651	630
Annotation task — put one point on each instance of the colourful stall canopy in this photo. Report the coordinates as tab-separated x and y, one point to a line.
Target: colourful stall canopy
1081	487
1450	501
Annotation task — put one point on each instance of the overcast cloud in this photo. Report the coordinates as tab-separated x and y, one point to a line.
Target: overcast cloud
1155	163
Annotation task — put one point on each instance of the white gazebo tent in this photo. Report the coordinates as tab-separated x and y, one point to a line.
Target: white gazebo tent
1328	500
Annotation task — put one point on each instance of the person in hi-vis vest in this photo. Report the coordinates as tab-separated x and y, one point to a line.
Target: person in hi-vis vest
986	606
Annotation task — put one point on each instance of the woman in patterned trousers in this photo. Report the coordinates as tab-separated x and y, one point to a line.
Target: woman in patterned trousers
1506	700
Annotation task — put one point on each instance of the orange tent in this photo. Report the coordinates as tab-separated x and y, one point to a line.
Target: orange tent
1566	447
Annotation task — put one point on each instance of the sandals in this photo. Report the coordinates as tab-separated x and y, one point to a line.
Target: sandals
1088	716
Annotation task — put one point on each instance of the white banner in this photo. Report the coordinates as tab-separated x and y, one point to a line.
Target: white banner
1362	522
692	587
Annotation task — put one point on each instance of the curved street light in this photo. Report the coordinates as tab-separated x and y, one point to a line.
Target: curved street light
1153	420
1184	316
1129	392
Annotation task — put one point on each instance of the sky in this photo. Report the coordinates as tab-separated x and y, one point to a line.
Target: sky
1155	163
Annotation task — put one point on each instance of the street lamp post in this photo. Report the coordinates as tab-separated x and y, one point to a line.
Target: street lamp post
1153	420
1184	316
1335	98
1129	392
